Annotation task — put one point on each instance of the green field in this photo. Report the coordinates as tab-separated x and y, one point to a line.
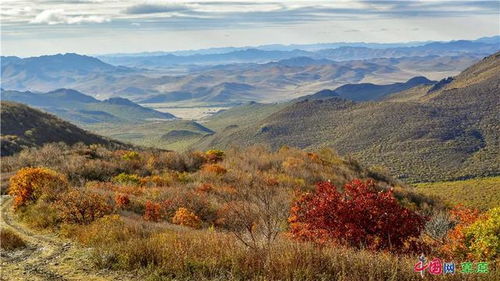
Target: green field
174	135
481	193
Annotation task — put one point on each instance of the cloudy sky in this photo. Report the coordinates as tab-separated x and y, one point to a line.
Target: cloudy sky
38	27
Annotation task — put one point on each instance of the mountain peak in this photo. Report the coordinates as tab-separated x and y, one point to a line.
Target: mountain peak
73	95
121	101
418	80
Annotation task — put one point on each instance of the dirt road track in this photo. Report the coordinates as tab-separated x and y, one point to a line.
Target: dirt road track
46	257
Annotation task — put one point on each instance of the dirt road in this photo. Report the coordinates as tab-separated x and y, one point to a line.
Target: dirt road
46	257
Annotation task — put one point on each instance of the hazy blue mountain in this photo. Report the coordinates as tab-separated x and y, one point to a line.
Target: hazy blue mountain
238	56
61	62
78	107
45	73
335	51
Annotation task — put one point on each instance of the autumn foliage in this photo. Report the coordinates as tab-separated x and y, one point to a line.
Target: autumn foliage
360	216
187	218
214	155
483	236
475	236
122	200
82	207
152	212
214	168
29	184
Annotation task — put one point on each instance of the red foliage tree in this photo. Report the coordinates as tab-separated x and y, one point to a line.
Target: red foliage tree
361	217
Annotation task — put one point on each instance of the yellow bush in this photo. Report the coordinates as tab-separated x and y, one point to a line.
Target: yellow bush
124	178
214	155
187	218
131	155
483	236
29	184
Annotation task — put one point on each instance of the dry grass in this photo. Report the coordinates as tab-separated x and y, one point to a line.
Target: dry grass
10	241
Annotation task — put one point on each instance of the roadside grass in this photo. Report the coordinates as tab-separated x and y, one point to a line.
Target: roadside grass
10	241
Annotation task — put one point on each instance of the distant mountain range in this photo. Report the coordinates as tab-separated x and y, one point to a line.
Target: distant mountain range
334	51
450	133
230	84
80	108
25	127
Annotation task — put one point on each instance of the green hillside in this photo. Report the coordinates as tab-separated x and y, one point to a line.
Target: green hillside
24	127
242	116
481	193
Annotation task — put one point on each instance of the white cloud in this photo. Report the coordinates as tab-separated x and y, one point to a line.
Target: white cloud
18	11
58	16
180	24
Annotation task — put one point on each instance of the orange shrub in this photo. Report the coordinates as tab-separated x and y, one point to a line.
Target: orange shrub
271	181
314	157
122	200
187	218
226	190
152	212
214	168
82	207
205	187
29	184
455	245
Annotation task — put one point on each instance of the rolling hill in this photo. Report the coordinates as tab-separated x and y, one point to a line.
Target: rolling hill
172	135
24	127
450	133
83	109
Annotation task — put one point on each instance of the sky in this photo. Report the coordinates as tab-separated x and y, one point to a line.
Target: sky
38	27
